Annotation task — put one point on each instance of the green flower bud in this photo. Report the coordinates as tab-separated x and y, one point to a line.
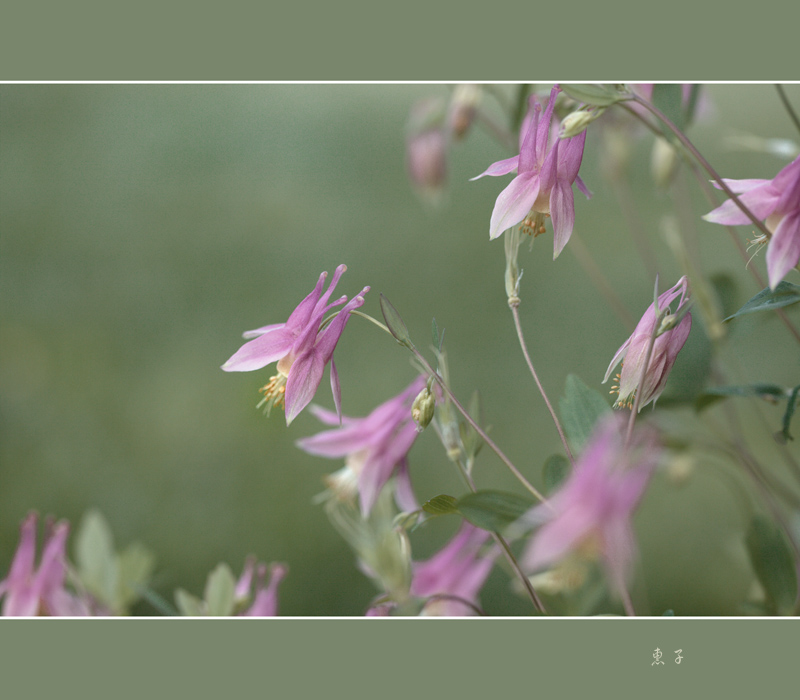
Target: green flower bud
576	122
422	409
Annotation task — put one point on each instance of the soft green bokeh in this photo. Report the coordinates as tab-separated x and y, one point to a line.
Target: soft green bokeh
144	227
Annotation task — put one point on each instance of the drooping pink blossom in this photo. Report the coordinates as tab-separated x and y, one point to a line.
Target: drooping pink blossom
777	203
590	515
665	350
302	348
545	174
375	448
264	594
449	582
30	591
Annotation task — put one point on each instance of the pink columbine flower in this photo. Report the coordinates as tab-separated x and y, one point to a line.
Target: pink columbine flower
301	347
775	201
590	515
450	580
665	350
543	185
454	574
264	595
29	591
375	448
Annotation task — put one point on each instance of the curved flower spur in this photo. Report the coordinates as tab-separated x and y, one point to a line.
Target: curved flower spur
302	346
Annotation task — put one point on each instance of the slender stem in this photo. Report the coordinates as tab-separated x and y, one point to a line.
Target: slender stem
502	135
703	162
515	313
498	538
788	106
481	432
520	573
355	312
599	279
710	196
634	222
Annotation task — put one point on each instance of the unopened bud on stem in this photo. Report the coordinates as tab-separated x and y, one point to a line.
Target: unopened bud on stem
423	408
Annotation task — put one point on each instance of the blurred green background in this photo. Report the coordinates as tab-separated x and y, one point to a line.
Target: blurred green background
144	227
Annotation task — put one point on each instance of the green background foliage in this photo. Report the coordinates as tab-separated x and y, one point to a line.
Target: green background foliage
144	227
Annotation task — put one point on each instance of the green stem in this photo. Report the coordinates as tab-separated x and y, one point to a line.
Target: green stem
518	325
476	427
703	162
792	114
509	555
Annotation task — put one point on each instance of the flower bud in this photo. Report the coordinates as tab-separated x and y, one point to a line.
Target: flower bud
663	162
426	149
423	408
463	108
576	122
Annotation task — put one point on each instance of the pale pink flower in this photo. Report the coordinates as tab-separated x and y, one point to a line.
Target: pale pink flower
590	515
30	591
301	347
665	350
375	448
449	582
777	203
543	185
264	594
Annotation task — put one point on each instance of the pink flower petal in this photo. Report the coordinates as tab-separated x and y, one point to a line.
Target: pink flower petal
514	203
783	251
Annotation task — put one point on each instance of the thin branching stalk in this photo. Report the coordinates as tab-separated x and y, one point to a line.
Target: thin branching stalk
481	432
561	434
600	281
788	105
703	162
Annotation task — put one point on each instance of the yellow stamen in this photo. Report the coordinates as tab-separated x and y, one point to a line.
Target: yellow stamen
533	223
274	393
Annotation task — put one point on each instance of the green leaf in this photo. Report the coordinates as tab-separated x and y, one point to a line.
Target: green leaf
95	557
394	323
580	409
134	566
787	416
435	335
593	94
668	97
188	604
784	295
717	393
772	561
220	591
441	505
556	469
493	510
